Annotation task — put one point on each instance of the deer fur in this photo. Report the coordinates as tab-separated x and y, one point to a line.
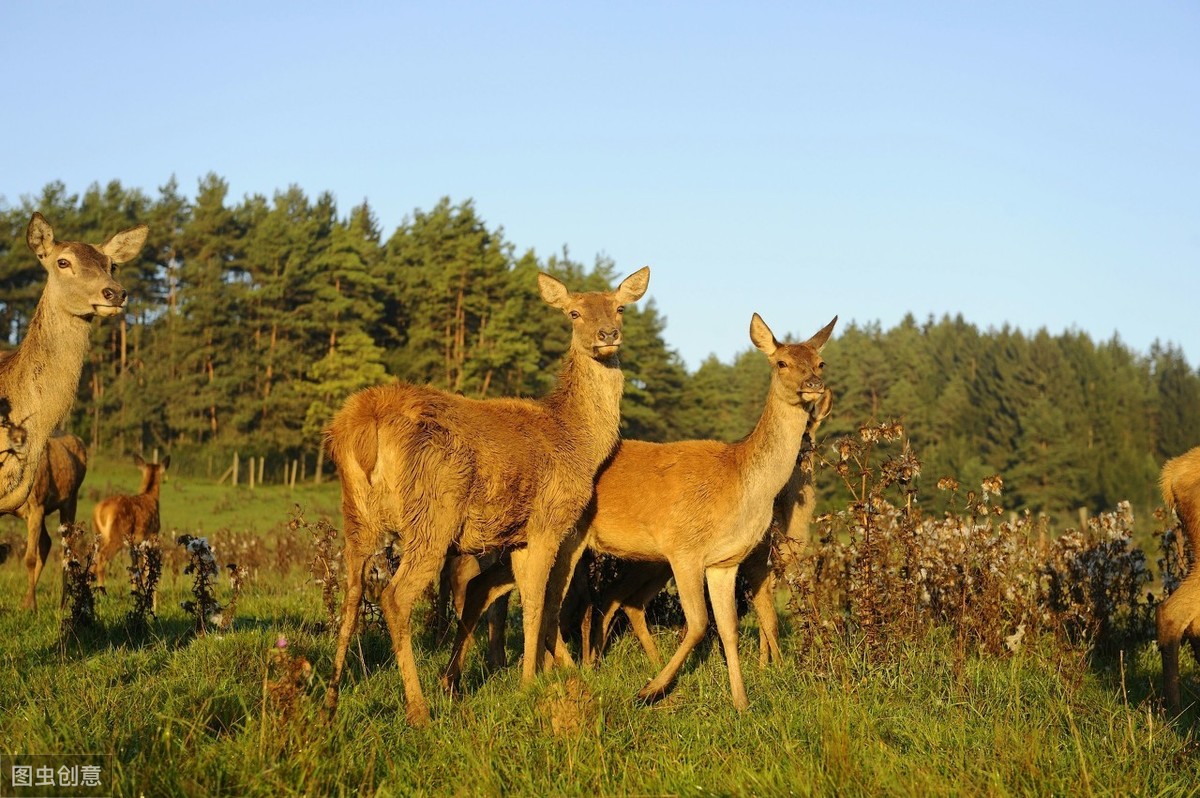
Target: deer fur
134	518
55	489
438	472
787	537
39	379
700	506
1178	617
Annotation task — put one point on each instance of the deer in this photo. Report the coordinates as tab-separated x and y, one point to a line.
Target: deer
55	489
133	518
39	379
434	472
1178	617
702	507
787	537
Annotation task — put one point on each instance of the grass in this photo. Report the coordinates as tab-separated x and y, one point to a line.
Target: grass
187	715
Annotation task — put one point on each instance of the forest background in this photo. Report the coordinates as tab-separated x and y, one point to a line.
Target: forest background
250	321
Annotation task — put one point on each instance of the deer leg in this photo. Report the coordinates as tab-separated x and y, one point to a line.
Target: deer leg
653	578
532	566
37	549
497	620
757	570
562	577
722	584
478	595
350	604
420	563
1173	619
689	578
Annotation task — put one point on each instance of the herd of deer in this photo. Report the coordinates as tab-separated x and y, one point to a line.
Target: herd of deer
513	491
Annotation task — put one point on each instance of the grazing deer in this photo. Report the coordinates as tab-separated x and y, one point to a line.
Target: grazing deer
1178	617
39	379
439	472
788	535
135	518
55	489
700	506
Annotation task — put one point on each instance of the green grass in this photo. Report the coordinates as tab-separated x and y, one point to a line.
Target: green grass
185	715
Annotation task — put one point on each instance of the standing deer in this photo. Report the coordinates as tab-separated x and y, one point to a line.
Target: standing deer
438	472
700	506
1178	617
788	535
39	379
135	518
55	489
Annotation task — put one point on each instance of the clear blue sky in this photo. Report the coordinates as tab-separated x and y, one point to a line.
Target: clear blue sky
1029	163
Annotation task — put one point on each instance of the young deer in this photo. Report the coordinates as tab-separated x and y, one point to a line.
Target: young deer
39	379
1178	617
700	506
134	517
639	582
55	489
440	472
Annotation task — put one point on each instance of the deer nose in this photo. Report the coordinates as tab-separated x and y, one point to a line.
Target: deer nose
814	384
609	337
115	296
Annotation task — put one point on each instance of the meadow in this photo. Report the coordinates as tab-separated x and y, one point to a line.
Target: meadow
869	701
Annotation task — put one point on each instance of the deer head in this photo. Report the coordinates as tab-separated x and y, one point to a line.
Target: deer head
795	368
596	316
152	473
81	275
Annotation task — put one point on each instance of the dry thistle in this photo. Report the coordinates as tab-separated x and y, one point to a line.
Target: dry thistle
79	554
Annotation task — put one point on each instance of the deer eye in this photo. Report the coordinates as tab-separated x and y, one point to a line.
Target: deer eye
63	263
821	366
620	308
782	364
574	314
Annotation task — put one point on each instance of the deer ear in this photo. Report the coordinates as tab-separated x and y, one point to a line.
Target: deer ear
554	292
39	236
762	337
633	287
818	341
166	462
138	461
125	245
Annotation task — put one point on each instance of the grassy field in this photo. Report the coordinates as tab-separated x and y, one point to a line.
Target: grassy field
181	714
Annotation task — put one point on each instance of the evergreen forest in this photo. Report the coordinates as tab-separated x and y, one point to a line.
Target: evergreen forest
251	320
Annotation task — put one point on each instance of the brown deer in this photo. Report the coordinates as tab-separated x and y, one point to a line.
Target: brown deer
788	536
123	517
438	472
55	489
39	379
701	506
1178	617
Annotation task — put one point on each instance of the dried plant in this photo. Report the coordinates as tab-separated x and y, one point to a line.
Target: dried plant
145	569
237	580
325	562
202	566
881	570
79	555
286	680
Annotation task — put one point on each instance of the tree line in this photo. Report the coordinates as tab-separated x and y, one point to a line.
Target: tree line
250	321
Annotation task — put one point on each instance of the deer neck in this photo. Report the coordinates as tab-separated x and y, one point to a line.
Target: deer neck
43	374
150	482
587	402
768	455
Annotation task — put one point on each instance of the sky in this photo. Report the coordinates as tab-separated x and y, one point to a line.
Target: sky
1024	163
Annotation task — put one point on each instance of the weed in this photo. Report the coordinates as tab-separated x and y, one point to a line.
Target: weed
79	554
204	607
145	569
